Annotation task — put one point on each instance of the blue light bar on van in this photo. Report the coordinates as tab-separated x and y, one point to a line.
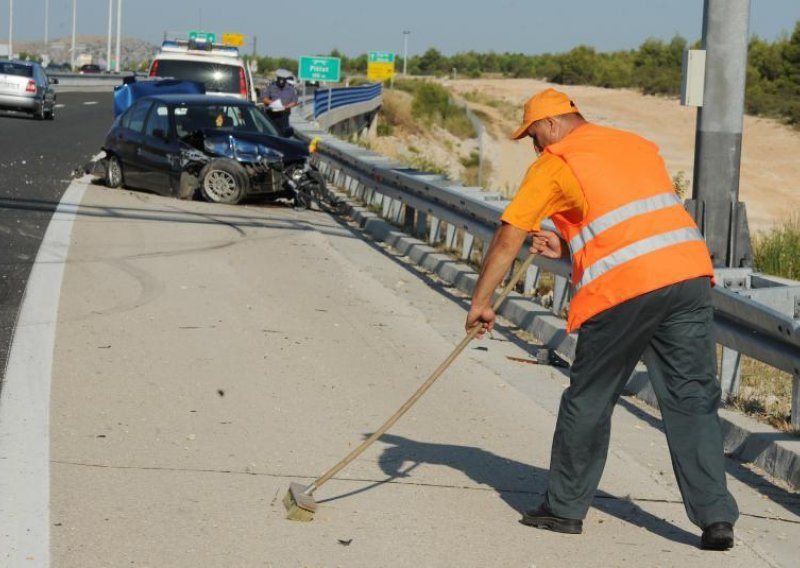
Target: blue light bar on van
192	45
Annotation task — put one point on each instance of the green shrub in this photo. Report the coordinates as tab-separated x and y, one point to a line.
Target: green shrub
432	105
777	252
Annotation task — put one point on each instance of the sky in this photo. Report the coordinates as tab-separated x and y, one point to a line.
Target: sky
353	27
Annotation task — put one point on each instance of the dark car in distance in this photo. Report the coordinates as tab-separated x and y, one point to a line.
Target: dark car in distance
222	147
24	86
89	68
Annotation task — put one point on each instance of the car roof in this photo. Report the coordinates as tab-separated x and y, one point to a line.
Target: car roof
206	57
193	99
19	62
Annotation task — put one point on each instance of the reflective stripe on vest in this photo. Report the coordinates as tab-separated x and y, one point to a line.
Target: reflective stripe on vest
605	222
635	250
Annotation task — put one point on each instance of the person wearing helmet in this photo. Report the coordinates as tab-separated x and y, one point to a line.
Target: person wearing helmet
280	97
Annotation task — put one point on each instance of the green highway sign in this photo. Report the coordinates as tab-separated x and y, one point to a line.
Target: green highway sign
380	57
319	69
202	37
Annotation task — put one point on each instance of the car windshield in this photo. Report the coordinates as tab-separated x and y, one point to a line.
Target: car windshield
217	77
233	118
9	68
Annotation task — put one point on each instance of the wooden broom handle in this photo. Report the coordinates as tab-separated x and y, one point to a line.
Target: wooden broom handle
425	386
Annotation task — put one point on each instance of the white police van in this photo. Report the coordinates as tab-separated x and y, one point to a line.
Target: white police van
199	58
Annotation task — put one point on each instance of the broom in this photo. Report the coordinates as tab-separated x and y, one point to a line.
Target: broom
299	500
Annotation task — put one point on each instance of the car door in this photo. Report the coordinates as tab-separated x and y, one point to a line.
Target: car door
126	142
49	90
159	152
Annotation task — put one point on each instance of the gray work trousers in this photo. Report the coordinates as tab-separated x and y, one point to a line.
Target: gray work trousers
673	328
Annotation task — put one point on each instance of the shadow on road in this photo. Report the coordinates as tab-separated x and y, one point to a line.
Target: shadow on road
520	486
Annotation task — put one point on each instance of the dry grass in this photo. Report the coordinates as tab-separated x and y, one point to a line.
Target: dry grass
765	394
396	111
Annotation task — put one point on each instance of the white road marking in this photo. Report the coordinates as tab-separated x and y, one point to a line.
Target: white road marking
90	102
25	400
59	105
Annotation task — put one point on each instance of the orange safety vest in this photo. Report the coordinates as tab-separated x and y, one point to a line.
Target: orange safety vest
636	236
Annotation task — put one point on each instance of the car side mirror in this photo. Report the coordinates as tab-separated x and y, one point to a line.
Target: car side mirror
53	80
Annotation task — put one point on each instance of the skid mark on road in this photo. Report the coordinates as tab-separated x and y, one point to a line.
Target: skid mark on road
150	288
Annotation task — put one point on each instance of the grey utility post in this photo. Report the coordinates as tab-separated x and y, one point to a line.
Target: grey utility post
718	141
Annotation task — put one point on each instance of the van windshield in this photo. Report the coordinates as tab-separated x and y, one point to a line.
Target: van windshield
217	77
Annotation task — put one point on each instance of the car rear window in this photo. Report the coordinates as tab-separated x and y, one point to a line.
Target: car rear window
217	77
7	68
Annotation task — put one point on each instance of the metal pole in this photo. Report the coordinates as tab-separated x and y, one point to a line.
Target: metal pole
405	51
108	45
119	33
11	29
74	28
46	22
718	140
480	155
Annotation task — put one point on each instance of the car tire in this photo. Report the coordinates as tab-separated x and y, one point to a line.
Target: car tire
51	114
38	114
223	181
114	175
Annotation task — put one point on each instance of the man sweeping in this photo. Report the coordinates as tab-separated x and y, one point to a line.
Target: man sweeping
641	277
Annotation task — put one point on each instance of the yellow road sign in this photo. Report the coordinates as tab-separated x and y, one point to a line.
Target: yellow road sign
236	40
380	71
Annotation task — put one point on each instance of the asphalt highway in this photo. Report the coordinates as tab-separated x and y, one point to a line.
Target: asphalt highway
37	159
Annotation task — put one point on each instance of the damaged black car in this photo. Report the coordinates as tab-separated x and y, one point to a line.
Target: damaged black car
223	149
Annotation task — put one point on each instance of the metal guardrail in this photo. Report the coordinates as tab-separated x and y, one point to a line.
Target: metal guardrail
464	219
326	100
89	81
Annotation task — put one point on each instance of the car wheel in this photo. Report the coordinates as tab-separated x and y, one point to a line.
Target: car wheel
302	199
114	177
38	114
223	181
51	114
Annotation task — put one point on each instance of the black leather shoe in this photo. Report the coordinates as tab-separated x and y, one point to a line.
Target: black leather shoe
543	518
718	536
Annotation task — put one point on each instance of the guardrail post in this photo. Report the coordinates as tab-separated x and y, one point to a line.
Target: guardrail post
350	182
433	233
560	291
450	238
396	211
466	246
531	280
386	207
360	190
421	226
730	373
377	199
409	216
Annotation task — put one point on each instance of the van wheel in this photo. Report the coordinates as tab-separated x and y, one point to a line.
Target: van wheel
223	181
114	176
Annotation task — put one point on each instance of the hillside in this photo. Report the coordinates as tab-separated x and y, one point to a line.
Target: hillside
770	171
132	51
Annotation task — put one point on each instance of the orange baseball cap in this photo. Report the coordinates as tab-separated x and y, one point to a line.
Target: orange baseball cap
547	103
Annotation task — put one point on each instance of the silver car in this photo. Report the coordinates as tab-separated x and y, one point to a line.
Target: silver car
24	86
